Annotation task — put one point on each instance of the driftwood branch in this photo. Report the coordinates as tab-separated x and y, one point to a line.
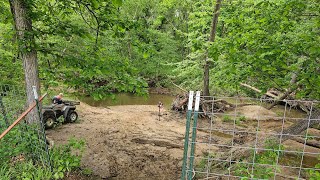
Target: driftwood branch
284	96
182	89
258	90
288	92
279	96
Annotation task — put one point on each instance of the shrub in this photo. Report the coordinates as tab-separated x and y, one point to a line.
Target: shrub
18	161
66	158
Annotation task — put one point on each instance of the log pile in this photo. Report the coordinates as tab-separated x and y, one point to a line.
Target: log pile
272	96
206	106
181	102
275	97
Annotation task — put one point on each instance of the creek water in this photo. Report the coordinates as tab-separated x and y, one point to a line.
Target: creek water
130	99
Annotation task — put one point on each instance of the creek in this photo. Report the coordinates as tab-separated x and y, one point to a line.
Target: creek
130	99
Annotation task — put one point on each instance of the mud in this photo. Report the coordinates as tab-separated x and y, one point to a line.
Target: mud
129	142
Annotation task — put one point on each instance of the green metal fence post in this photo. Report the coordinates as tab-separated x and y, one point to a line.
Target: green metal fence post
186	138
194	132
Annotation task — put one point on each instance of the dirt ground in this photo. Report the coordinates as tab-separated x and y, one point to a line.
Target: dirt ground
129	142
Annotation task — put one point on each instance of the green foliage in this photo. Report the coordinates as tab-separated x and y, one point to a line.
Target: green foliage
27	170
226	118
10	66
259	42
202	165
87	171
22	150
67	158
240	119
310	136
18	157
315	174
244	170
265	41
100	46
268	157
5	172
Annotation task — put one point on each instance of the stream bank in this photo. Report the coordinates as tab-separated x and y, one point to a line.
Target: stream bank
129	141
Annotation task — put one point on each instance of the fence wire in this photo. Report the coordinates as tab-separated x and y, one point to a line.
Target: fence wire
239	138
25	142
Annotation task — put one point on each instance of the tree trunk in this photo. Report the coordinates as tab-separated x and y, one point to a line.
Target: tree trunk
28	54
206	79
216	14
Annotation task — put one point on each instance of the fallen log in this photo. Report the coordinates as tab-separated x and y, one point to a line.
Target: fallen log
219	105
309	142
277	96
180	103
285	95
291	89
258	90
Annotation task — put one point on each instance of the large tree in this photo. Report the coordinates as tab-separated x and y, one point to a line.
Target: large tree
21	11
206	75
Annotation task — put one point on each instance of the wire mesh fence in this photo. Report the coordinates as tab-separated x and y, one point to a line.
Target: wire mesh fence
26	141
244	138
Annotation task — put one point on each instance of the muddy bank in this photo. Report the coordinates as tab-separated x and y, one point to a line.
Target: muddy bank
128	142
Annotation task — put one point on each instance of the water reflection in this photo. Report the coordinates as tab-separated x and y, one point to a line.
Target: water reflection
130	99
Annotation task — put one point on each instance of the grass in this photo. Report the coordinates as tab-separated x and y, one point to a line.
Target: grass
226	118
238	120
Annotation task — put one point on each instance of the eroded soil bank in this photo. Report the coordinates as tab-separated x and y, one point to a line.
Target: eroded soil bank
128	142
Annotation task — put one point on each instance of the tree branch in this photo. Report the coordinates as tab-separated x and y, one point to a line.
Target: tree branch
95	17
258	90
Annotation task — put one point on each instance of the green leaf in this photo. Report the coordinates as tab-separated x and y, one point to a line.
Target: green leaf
145	55
117	3
95	4
56	175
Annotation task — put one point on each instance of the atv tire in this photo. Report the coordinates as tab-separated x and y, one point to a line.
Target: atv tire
72	116
49	121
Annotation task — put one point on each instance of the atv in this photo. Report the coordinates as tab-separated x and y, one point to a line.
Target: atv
52	113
